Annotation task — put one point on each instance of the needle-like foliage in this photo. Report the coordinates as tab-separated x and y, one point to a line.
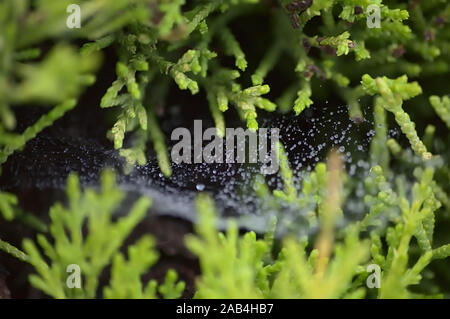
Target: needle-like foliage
386	60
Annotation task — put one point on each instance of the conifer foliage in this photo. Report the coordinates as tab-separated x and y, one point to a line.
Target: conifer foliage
386	60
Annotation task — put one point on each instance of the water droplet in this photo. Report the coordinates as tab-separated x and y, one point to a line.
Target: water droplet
200	187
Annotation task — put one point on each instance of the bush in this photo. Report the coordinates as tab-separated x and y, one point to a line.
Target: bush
326	50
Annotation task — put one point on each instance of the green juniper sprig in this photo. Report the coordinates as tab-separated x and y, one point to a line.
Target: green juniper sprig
303	98
379	155
17	142
442	108
126	275
100	247
92	253
290	192
13	251
414	217
340	43
159	144
8	203
231	47
393	93
267	64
